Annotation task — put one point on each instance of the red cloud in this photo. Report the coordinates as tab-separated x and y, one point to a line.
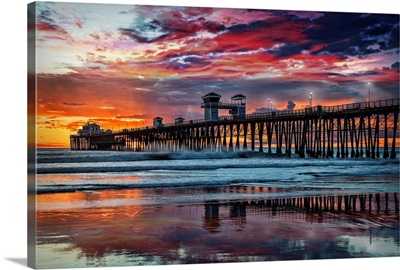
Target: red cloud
41	26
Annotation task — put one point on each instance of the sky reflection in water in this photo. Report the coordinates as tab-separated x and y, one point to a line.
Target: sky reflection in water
112	234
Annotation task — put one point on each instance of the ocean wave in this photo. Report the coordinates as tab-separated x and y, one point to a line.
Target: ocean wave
345	183
45	189
337	165
109	156
155	167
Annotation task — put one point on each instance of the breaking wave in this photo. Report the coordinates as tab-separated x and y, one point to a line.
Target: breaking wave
71	171
65	156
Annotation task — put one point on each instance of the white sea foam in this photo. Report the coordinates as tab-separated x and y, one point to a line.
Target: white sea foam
66	171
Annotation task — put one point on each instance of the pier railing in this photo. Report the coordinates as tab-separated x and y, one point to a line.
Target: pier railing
351	107
344	108
348	130
362	105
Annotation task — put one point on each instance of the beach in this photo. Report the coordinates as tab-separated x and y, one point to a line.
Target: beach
202	208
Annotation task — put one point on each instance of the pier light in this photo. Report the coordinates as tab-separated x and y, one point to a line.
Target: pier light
310	99
369	93
268	104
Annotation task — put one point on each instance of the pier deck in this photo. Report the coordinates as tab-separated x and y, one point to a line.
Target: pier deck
351	130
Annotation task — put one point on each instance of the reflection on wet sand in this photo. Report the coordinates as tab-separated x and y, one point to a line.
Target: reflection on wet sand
215	231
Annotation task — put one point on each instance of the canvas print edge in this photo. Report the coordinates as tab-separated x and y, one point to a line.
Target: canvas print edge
31	164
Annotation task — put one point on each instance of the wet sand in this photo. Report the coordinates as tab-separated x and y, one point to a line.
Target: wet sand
153	227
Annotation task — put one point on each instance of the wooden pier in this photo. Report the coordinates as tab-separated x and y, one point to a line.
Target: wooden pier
367	129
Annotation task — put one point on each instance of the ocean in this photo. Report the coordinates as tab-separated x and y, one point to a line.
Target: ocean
106	208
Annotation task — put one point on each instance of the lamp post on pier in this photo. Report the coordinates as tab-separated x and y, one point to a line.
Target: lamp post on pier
310	99
268	104
369	93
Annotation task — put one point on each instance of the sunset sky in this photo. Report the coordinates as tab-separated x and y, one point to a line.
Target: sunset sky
122	65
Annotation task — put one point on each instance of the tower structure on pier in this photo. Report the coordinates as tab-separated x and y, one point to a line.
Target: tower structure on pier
157	122
211	105
239	105
349	130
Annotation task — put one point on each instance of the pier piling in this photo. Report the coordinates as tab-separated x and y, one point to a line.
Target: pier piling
343	131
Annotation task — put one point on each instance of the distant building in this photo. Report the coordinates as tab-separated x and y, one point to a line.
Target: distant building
90	129
157	122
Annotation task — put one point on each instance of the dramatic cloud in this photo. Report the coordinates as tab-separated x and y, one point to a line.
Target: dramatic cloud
116	64
133	116
355	34
145	30
73	104
290	105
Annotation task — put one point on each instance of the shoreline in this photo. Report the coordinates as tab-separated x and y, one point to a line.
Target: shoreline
214	211
130	233
388	186
304	199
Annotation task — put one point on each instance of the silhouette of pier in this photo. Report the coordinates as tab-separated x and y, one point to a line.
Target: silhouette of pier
311	208
366	129
351	203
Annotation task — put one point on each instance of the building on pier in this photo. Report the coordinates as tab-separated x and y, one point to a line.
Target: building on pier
239	101
211	105
179	121
157	122
348	130
237	108
90	129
